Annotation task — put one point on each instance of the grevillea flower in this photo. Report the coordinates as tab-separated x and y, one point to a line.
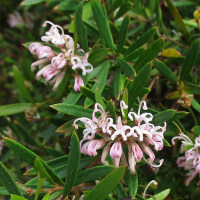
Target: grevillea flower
53	65
113	137
190	161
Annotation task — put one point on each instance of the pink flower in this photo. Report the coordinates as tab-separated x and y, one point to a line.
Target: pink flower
58	61
44	52
83	64
34	46
137	151
116	150
78	83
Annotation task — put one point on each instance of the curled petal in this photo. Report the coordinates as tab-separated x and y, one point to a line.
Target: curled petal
34	46
78	83
44	52
58	61
116	150
123	106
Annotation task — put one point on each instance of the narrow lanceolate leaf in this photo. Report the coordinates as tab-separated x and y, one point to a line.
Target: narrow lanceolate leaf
179	115
165	70
31	2
102	23
193	88
12	109
73	164
127	68
120	191
122	34
28	156
131	181
106	186
134	54
93	174
81	30
111	109
149	54
16	197
177	18
190	60
88	93
98	55
116	83
163	116
160	196
8	181
99	83
74	110
195	105
20	83
43	173
139	82
142	40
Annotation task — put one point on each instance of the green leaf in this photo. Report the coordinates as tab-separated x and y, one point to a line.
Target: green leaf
127	68
73	164
120	191
99	98
131	181
111	109
139	82
102	23
123	33
74	110
135	54
61	89
39	187
106	186
149	54
163	116
31	2
46	197
196	130
88	93
68	5
160	196
99	83
116	83
97	55
93	174
16	197
148	35
43	173
28	156
192	88
12	109
164	70
20	83
125	99
190	60
72	97
177	18
8	181
179	115
195	105
81	30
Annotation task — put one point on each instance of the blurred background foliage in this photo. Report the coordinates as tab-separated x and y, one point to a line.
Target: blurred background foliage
21	22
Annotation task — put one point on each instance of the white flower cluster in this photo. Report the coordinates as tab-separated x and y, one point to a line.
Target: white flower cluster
53	65
116	136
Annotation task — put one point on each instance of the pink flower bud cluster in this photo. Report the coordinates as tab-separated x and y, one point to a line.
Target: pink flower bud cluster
139	138
53	65
191	159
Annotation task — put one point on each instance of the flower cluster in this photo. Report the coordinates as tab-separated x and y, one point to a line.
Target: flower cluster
53	65
191	159
114	137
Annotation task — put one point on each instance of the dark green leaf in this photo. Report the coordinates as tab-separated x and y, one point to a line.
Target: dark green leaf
196	130
131	181
133	55
139	82
116	83
120	191
163	116
20	83
111	109
98	55
164	70
81	30
88	93
190	60
31	2
193	88
30	157
68	5
73	164
74	110
12	109
102	23
8	181
179	115
123	33
142	40
93	174
127	68
149	54
106	186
